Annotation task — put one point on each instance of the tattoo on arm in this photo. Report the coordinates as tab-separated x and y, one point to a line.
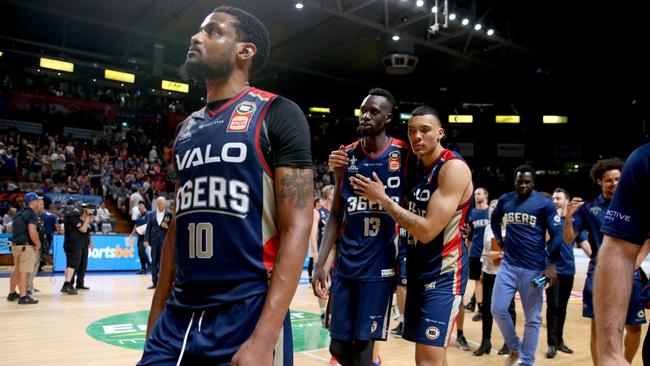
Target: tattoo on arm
403	218
297	187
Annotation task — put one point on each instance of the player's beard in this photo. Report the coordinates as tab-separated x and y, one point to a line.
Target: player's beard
200	70
369	132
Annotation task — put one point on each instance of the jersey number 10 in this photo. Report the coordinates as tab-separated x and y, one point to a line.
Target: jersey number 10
198	247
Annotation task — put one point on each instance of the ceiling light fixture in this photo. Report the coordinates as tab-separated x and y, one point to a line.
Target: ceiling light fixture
299	5
434	9
465	21
419	3
396	37
478	27
452	16
490	32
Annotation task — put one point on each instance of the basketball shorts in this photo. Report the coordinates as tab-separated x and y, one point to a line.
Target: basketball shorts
210	337
635	310
360	310
430	317
475	268
401	278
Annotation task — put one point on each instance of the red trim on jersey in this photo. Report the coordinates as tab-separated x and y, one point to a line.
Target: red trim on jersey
258	146
351	146
228	103
271	251
400	143
373	157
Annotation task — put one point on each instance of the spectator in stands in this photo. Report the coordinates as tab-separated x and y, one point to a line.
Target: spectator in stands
103	217
157	225
8	219
134	199
140	227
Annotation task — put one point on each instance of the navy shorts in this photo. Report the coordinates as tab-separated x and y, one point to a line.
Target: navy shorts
430	317
635	310
211	337
401	278
360	310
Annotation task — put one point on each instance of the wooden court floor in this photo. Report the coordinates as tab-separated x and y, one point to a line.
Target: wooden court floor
57	331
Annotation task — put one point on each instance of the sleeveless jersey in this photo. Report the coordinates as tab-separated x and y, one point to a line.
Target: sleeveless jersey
324	215
226	233
440	265
367	246
590	217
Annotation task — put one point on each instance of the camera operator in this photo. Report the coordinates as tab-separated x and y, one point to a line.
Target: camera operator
87	245
77	237
25	245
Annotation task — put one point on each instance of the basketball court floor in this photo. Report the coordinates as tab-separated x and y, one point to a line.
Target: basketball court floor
105	326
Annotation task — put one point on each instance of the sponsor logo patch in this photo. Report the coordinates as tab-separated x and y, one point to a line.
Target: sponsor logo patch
241	117
373	327
388	272
394	161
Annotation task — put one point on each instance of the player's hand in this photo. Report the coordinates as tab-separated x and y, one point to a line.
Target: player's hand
337	159
373	189
551	274
573	206
464	230
254	353
321	283
91	246
146	244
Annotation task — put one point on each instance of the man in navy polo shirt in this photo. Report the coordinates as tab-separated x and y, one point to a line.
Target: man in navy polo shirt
626	227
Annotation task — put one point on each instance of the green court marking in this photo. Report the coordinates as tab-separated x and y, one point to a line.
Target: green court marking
128	330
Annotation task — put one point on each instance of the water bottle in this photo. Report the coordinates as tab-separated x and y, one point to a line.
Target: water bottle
539	281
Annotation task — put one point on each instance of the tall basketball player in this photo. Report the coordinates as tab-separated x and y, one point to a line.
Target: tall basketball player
436	256
233	255
364	277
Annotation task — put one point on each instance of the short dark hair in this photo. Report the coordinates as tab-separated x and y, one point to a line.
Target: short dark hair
598	170
252	30
425	110
525	169
562	190
384	93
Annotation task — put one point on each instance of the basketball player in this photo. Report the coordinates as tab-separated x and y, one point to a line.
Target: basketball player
436	256
478	220
235	249
626	226
364	277
528	216
321	214
590	216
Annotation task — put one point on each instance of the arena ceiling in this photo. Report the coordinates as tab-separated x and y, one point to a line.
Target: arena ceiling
332	49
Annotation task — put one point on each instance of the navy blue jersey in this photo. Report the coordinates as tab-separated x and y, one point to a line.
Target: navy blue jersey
226	232
566	264
590	217
441	265
49	221
403	242
367	247
324	214
527	220
479	220
628	218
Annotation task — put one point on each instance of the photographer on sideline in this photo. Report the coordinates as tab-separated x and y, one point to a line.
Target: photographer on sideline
76	221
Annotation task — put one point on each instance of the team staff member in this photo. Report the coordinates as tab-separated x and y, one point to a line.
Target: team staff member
76	226
140	227
478	220
590	216
626	226
25	244
238	239
528	216
436	255
157	224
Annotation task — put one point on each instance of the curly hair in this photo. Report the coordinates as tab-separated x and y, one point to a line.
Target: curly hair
602	166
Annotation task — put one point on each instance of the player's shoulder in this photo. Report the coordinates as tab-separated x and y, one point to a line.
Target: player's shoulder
352	146
639	159
508	196
399	143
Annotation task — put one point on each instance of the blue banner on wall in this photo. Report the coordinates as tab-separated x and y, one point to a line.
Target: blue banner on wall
111	253
62	198
4	244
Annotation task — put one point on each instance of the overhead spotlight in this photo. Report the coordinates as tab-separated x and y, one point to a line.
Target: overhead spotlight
452	16
465	21
434	9
490	32
478	27
396	37
94	80
299	5
419	3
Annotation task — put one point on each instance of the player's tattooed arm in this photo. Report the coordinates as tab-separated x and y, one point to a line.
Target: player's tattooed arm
296	186
403	217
